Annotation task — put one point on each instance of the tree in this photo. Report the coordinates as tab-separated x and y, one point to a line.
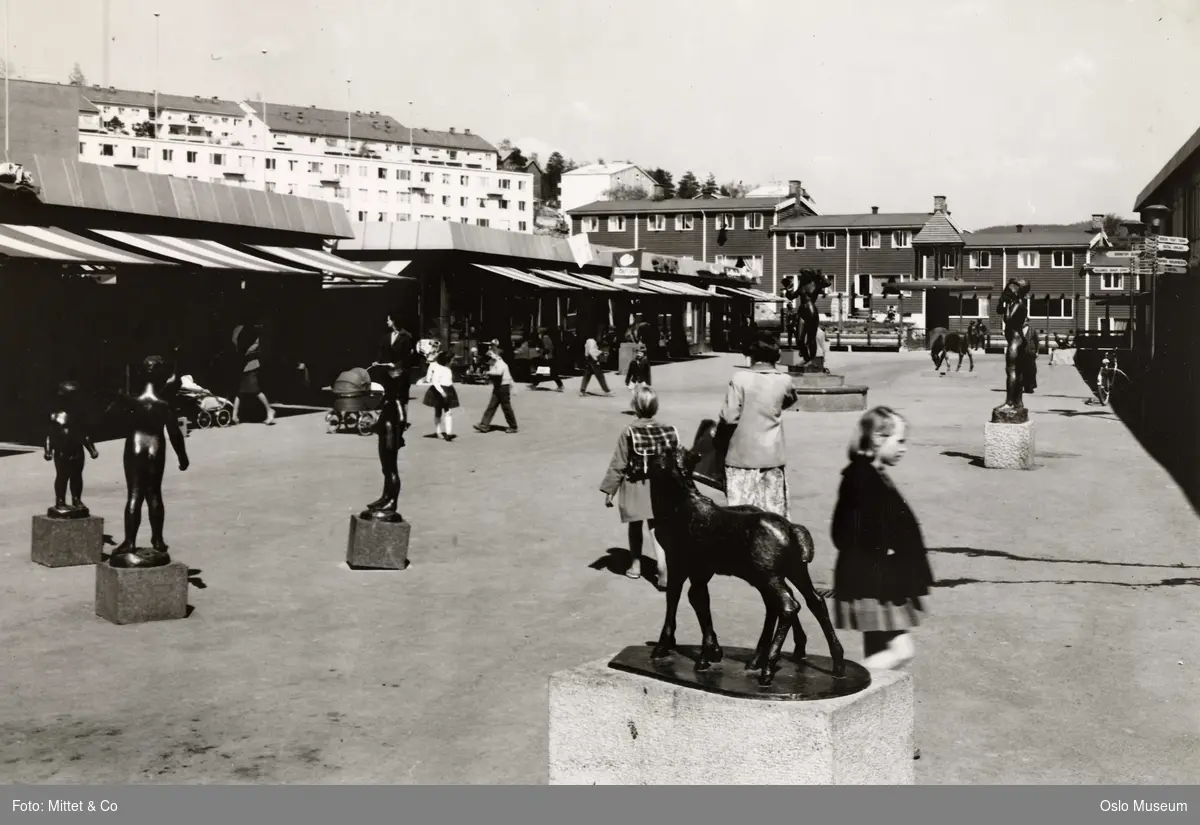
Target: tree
622	192
663	178
688	186
552	175
76	77
710	186
505	147
517	160
735	189
1118	233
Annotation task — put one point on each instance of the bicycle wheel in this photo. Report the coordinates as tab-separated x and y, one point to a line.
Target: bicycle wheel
1103	390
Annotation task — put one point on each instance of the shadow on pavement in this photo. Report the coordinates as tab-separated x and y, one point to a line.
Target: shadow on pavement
974	552
1194	582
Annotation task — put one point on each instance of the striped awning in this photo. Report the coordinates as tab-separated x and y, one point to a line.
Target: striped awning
756	295
49	243
680	288
318	259
603	283
578	280
207	254
527	278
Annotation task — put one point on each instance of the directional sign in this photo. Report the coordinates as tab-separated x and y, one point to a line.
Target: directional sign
1121	253
1170	239
1173	247
1110	270
1173	270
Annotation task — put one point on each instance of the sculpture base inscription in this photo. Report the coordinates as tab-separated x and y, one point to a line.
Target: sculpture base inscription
613	727
68	542
377	545
1008	446
131	595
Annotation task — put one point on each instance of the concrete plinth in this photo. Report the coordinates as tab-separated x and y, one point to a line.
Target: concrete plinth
610	727
377	545
811	380
1008	446
830	399
789	357
130	595
70	542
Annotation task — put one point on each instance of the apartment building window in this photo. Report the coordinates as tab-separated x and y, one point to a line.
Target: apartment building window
381	217
795	240
752	262
270	186
464	180
483	182
521	185
192	157
314	191
971	308
464	220
656	223
981	260
168	154
723	221
269	163
141	152
483	222
947	260
520	206
81	148
1108	281
463	202
452	154
902	239
362	171
1053	308
381	173
446	178
217	159
427	177
870	240
616	223
403	217
482	203
1028	260
427	217
341	169
107	150
246	161
403	174
291	189
426	197
589	225
505	183
685	223
362	216
340	192
1062	259
754	221
503	203
381	196
362	194
445	200
522	226
826	240
292	165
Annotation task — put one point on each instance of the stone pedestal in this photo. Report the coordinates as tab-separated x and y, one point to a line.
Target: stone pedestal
377	545
1008	446
67	542
141	594
609	727
625	356
790	357
814	380
837	398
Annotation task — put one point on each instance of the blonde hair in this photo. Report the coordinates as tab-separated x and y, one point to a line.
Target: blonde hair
878	421
645	402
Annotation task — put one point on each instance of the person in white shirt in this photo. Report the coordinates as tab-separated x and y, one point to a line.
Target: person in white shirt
441	395
502	382
591	367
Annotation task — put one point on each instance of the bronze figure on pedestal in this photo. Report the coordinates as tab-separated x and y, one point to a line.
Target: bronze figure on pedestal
1019	365
148	416
66	440
390	430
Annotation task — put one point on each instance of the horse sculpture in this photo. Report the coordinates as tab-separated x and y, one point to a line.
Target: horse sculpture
943	343
802	291
702	539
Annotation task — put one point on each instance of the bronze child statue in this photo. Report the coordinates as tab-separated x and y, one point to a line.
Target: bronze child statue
145	459
66	440
1019	363
390	430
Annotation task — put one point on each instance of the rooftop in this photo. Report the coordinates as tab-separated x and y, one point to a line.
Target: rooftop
673	205
938	229
602	168
884	220
111	96
1177	160
992	240
375	126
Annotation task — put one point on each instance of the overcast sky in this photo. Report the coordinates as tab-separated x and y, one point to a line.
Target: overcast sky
1017	110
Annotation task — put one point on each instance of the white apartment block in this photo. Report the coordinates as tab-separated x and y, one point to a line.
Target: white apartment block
588	184
378	169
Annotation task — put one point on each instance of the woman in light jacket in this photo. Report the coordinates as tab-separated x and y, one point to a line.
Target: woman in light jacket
755	460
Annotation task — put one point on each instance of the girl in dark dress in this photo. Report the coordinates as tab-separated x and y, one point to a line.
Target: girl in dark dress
882	572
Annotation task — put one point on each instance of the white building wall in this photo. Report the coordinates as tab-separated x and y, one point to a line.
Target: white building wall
387	187
578	190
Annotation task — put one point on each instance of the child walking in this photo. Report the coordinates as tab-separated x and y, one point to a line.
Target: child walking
627	476
637	374
882	571
441	395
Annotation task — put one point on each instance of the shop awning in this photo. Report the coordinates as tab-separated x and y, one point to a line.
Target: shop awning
48	243
680	288
325	262
208	254
527	278
603	283
756	295
578	280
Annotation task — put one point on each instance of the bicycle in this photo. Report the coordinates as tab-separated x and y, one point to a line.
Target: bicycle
1106	378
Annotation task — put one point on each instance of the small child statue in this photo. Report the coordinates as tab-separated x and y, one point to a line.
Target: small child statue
66	440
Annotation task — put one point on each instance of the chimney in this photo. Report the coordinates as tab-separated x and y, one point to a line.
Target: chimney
1020	228
874	210
939	204
452	130
1097	221
795	190
466	131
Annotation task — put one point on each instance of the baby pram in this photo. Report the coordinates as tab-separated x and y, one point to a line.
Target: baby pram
356	402
202	408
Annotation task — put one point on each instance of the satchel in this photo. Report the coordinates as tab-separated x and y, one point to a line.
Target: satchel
648	441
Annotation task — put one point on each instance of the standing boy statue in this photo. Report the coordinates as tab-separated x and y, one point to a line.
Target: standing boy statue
149	415
1019	364
66	440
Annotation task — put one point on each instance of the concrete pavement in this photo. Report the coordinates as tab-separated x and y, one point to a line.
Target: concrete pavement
1060	648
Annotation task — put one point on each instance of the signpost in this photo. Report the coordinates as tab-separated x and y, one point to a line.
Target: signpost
1170	239
1122	253
627	267
1172	247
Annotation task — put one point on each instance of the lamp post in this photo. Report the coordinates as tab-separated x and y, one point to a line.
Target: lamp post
349	115
266	128
1155	212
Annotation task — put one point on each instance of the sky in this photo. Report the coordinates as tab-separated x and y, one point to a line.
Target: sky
1018	111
